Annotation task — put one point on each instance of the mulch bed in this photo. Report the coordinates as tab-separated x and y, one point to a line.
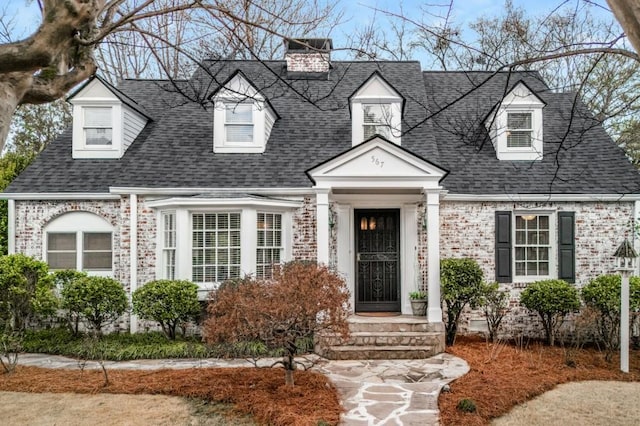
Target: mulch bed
260	392
504	375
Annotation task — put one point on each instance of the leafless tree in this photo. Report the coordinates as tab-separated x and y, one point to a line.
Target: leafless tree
62	51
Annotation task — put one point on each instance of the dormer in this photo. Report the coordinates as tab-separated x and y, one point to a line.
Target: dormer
242	117
376	108
515	126
105	120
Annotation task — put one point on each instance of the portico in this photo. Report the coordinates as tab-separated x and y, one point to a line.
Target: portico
368	203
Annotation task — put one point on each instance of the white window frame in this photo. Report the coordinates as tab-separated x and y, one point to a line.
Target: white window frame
527	130
384	122
217	248
80	223
263	268
227	124
552	245
85	126
248	232
169	235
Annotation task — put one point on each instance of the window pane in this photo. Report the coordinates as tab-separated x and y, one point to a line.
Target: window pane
94	136
544	268
97	241
519	139
239	132
377	114
97	260
543	222
97	117
370	130
519	121
216	251
61	241
239	113
61	260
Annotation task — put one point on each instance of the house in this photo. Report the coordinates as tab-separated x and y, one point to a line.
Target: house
379	169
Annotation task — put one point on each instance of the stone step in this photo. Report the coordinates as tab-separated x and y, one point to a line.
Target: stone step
378	352
382	338
399	324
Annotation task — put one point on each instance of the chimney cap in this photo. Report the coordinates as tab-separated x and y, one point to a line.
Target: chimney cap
308	45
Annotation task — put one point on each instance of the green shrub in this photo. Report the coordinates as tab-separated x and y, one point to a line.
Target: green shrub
495	304
26	291
170	303
62	279
552	300
603	295
466	405
97	301
151	345
461	281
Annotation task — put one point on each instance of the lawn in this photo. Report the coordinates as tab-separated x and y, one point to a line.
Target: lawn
504	375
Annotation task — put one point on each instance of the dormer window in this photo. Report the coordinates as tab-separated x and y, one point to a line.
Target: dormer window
242	117
519	130
376	109
98	126
515	126
105	120
239	123
377	120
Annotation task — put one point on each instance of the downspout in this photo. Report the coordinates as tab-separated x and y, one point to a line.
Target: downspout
635	235
11	226
133	256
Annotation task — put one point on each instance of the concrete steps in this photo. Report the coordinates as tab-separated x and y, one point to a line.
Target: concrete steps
399	337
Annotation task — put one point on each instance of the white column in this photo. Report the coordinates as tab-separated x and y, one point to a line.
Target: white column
11	225
345	261
409	241
133	256
249	238
434	311
322	225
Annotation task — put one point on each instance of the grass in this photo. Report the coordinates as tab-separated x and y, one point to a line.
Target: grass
152	345
504	375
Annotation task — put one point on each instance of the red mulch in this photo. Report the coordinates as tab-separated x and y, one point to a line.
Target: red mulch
258	391
503	375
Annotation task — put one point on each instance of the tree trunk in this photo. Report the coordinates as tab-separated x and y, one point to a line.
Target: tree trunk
627	12
12	88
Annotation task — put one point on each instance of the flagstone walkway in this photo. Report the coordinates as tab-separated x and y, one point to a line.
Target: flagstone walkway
373	393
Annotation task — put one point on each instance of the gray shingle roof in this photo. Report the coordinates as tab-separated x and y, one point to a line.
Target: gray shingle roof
175	149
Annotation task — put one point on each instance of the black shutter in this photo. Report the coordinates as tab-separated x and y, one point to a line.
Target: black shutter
566	247
503	247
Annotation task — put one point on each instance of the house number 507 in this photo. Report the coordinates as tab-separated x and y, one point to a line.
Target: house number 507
378	162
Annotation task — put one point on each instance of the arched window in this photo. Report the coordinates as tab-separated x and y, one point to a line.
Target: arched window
79	240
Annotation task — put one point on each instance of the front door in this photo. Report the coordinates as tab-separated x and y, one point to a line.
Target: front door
377	260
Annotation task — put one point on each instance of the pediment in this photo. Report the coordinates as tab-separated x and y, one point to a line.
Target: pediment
521	94
376	161
376	87
94	89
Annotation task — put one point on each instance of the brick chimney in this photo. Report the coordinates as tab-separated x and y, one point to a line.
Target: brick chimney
308	55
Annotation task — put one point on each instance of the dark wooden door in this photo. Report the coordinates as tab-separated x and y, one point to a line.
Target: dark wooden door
377	260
